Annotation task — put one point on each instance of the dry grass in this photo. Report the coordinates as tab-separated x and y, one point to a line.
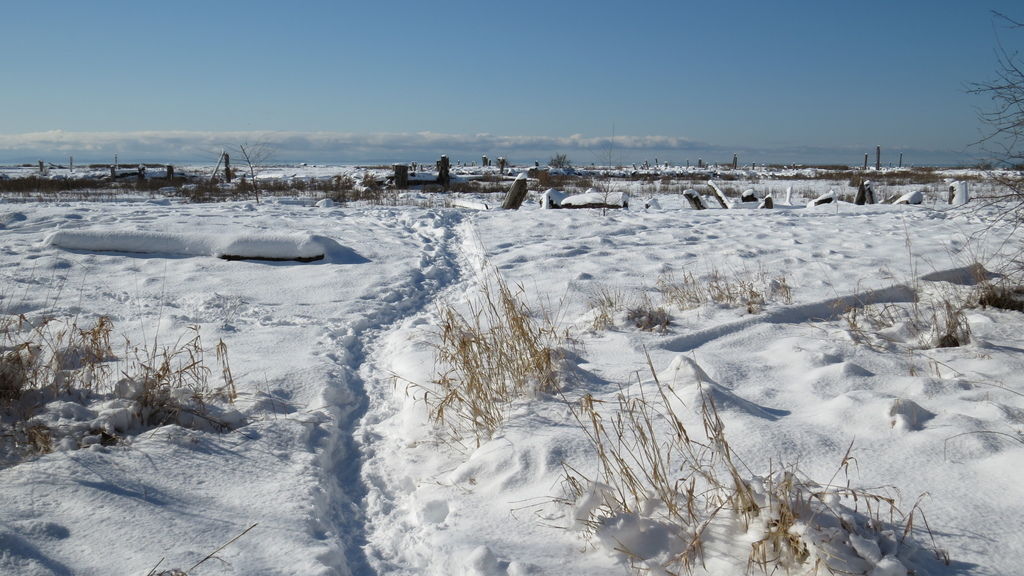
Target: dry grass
650	465
172	384
653	471
649	318
605	303
56	362
749	291
494	354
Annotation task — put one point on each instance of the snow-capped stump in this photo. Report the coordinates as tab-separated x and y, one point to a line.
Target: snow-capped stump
693	197
516	194
865	194
552	198
595	199
826	198
959	193
767	203
748	196
915	197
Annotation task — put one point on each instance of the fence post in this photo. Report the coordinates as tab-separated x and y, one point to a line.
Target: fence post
227	167
170	172
878	157
443	176
401	176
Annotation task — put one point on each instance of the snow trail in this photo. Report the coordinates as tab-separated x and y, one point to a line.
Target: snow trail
351	346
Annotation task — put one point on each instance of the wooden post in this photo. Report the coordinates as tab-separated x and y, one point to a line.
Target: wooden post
170	172
865	161
401	176
878	157
443	174
501	164
901	160
227	167
865	193
113	172
142	173
40	166
71	163
700	162
485	162
516	194
735	161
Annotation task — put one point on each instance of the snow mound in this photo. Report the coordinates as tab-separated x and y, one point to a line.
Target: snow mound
8	218
245	246
686	376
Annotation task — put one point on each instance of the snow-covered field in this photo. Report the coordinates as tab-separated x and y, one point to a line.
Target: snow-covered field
331	459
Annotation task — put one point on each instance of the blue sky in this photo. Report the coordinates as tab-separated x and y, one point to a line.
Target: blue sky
787	81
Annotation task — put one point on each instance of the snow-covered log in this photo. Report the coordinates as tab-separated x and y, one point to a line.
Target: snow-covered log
826	198
596	199
693	197
719	195
915	197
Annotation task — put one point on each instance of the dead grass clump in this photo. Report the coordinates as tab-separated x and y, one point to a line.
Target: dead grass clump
57	389
733	291
605	303
488	358
649	318
653	473
1001	295
950	327
661	491
172	384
